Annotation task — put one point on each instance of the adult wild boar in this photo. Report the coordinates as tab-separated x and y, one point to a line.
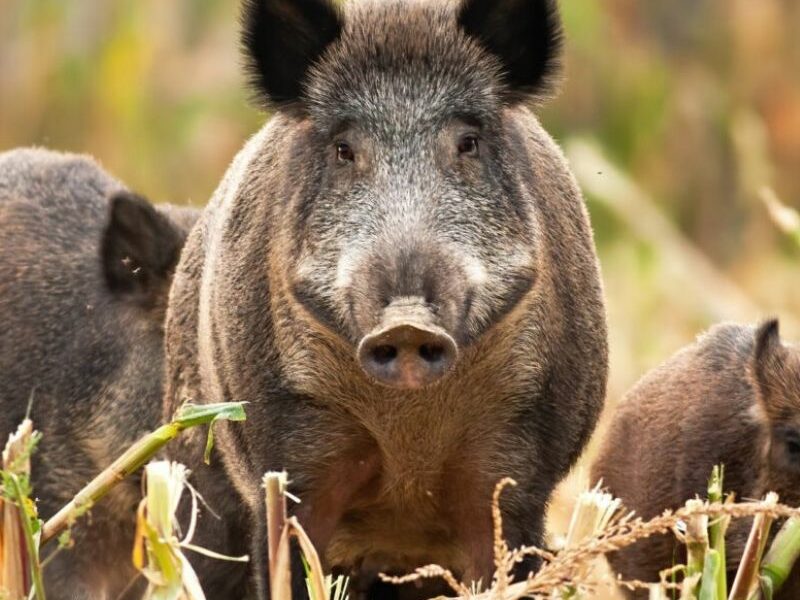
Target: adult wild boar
398	274
84	274
731	398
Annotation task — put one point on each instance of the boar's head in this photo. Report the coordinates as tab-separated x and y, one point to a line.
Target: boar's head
409	231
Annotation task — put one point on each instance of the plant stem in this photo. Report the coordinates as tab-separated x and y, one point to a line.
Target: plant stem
131	461
135	457
280	574
717	529
696	541
783	553
314	575
30	543
747	576
710	580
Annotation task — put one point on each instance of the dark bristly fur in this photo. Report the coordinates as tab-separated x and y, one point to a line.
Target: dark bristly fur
280	38
732	398
140	249
304	247
515	31
83	287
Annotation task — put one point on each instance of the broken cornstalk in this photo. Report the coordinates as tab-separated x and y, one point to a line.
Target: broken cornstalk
136	456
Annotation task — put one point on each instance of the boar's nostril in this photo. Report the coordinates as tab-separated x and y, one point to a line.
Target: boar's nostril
384	354
407	356
431	352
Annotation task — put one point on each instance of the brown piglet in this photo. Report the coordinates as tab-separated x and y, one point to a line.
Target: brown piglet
731	398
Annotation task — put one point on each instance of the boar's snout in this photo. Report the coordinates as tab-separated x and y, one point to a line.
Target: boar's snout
407	350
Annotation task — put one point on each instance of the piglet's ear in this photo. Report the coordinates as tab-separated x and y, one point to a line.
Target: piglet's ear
769	358
281	40
140	249
524	34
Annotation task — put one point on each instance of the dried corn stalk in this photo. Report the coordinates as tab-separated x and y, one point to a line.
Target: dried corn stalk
280	530
746	581
20	569
158	552
187	416
591	515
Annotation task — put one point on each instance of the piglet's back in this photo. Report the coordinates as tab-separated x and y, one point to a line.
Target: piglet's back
694	411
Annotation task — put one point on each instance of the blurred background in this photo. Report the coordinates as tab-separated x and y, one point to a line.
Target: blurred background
681	120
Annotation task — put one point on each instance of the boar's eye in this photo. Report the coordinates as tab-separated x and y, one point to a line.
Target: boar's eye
468	145
792	441
344	153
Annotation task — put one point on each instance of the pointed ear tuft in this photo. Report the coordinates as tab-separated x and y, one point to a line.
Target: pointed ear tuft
768	340
140	249
281	40
768	365
525	35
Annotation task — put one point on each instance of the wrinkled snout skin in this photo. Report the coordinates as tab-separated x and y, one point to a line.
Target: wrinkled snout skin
398	275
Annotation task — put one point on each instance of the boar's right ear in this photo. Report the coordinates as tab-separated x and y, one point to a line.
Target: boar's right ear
140	249
524	34
769	366
281	40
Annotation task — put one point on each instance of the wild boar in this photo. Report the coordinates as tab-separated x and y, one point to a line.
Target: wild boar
85	267
398	274
731	398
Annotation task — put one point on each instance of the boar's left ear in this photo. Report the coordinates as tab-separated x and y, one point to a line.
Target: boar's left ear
140	249
524	34
282	39
769	365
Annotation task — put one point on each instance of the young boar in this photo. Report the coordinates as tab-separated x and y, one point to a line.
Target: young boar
85	268
732	398
398	275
